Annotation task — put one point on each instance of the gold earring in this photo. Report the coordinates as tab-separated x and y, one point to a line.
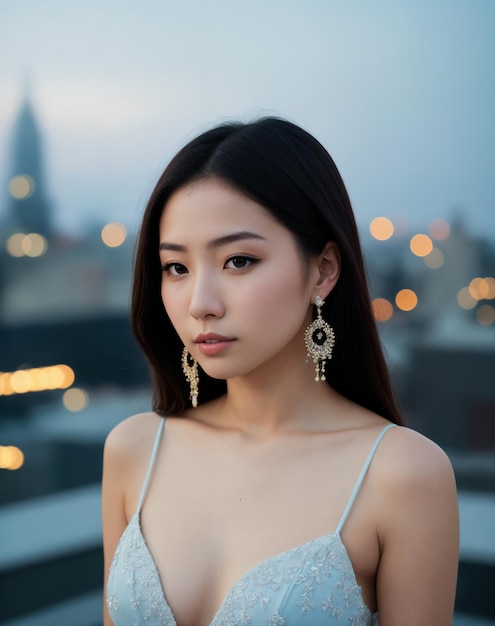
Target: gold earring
320	339
191	373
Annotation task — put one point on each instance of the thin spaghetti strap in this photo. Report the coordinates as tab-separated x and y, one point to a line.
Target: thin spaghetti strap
359	481
150	465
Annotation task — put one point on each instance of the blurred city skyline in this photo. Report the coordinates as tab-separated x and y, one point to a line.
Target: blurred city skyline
402	95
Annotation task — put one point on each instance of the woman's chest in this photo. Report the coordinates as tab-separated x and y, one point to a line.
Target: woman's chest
313	583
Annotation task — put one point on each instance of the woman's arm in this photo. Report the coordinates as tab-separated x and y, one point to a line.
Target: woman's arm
113	501
125	460
418	533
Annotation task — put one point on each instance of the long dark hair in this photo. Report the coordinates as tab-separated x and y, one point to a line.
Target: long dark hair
285	169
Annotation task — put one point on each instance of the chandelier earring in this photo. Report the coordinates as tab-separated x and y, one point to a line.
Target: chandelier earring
190	369
320	339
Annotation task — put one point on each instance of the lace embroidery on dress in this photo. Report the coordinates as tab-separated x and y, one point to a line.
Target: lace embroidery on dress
319	566
144	593
316	577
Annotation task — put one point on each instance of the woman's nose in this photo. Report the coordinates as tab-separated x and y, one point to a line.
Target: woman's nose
206	299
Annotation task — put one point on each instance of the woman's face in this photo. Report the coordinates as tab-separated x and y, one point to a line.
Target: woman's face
234	282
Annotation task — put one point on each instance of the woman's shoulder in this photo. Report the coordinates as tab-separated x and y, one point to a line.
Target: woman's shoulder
412	457
133	437
414	481
404	454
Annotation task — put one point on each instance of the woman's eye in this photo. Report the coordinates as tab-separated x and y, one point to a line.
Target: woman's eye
174	269
240	262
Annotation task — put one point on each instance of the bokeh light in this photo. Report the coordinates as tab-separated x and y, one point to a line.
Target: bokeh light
21	187
421	245
381	228
382	309
36	379
14	244
486	315
435	259
75	399
20	381
32	245
11	458
439	229
479	288
114	234
465	299
491	288
406	300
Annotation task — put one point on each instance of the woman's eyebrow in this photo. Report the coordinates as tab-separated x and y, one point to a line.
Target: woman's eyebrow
240	236
215	243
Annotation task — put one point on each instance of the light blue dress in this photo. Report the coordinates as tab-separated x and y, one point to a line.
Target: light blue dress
310	585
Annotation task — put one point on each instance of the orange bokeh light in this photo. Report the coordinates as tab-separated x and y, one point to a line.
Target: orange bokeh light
36	379
421	245
486	315
439	229
479	288
11	458
381	228
114	234
406	300
465	299
491	288
382	309
435	259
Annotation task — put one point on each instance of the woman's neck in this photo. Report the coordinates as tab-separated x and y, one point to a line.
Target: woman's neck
280	398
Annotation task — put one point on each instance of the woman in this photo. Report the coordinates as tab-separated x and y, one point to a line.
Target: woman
282	487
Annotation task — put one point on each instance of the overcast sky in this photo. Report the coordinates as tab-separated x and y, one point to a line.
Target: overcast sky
401	93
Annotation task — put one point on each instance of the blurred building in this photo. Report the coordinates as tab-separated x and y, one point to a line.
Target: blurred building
462	261
441	339
450	391
29	209
63	300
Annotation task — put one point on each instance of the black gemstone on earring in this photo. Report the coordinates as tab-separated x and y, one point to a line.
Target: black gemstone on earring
319	337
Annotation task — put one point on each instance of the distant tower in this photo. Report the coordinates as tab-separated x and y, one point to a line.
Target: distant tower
29	208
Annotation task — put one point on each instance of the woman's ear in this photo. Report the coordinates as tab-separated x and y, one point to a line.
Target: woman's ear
328	270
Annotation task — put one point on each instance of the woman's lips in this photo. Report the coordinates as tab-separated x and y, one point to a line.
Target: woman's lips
211	343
